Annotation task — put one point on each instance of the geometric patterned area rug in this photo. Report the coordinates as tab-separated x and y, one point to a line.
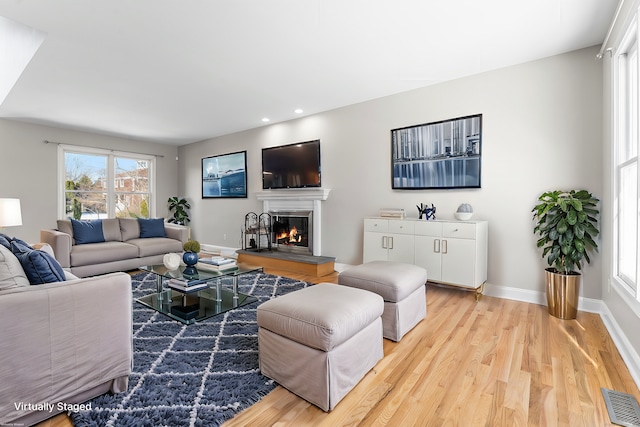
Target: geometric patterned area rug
190	375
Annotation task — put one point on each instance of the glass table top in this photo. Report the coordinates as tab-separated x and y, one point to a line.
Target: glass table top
199	272
205	302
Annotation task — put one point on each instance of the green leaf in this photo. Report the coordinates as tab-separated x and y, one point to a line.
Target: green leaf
563	205
582	216
577	204
562	226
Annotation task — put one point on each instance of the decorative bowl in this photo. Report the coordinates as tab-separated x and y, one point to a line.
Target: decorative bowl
463	216
171	261
464	212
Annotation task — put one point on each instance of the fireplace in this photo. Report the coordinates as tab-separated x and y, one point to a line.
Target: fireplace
292	231
305	202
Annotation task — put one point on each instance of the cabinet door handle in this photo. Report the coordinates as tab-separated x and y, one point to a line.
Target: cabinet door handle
444	246
390	242
436	245
384	242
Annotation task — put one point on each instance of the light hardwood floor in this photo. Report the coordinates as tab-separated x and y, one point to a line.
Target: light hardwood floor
493	363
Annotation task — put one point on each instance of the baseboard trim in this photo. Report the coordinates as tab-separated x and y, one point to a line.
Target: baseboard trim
629	355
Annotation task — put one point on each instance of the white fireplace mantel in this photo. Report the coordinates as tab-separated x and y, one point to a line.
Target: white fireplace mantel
295	194
298	199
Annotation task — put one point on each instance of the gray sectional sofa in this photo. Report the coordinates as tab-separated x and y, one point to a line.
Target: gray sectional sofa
126	244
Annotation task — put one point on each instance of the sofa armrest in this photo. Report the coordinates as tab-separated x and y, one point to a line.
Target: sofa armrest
61	339
177	232
60	243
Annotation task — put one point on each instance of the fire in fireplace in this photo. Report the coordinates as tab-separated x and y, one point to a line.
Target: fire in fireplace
292	231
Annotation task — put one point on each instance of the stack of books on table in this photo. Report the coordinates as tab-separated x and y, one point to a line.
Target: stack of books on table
187	285
217	263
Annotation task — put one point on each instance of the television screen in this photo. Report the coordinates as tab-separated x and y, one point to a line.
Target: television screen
291	166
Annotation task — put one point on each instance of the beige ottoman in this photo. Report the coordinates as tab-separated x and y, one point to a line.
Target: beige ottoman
401	285
320	341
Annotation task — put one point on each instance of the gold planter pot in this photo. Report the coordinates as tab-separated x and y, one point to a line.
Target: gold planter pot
562	293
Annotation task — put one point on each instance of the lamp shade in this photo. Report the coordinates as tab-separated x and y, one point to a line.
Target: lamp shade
10	213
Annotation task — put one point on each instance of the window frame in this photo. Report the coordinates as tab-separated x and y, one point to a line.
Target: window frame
624	125
111	188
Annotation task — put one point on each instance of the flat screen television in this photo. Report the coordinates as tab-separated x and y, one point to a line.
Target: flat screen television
291	166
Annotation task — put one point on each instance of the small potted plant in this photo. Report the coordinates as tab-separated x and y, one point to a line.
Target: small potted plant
179	208
567	224
191	249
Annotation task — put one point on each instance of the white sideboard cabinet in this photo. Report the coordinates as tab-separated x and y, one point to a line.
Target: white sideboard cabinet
453	252
388	240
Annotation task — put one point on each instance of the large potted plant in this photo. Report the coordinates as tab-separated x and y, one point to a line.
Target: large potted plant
567	224
179	207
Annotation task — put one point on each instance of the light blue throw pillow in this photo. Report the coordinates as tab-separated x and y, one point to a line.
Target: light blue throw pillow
153	227
87	231
39	266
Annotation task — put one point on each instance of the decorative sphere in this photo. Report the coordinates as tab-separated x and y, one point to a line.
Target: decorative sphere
190	258
464	212
171	261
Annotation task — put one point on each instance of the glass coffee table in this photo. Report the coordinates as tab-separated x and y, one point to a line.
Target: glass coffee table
208	299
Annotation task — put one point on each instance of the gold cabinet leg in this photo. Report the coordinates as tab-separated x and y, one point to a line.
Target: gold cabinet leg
479	291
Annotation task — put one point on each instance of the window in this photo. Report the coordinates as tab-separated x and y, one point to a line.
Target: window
132	196
625	157
103	184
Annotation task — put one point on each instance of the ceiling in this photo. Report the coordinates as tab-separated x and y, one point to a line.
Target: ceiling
176	72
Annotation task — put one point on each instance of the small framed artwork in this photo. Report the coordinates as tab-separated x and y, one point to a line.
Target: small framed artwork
225	176
438	155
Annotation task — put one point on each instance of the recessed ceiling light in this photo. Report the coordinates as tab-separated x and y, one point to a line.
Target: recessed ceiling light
298	111
265	119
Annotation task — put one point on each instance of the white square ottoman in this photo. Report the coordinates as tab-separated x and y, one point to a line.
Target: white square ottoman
402	286
320	341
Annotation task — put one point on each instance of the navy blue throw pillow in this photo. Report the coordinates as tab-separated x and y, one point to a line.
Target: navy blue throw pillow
151	227
5	241
39	266
87	231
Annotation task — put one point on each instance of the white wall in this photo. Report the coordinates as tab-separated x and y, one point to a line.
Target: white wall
541	131
28	170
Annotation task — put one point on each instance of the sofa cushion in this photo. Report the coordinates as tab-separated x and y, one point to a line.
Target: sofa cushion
321	316
39	266
111	230
87	231
99	253
153	227
130	228
393	281
64	225
12	274
156	246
